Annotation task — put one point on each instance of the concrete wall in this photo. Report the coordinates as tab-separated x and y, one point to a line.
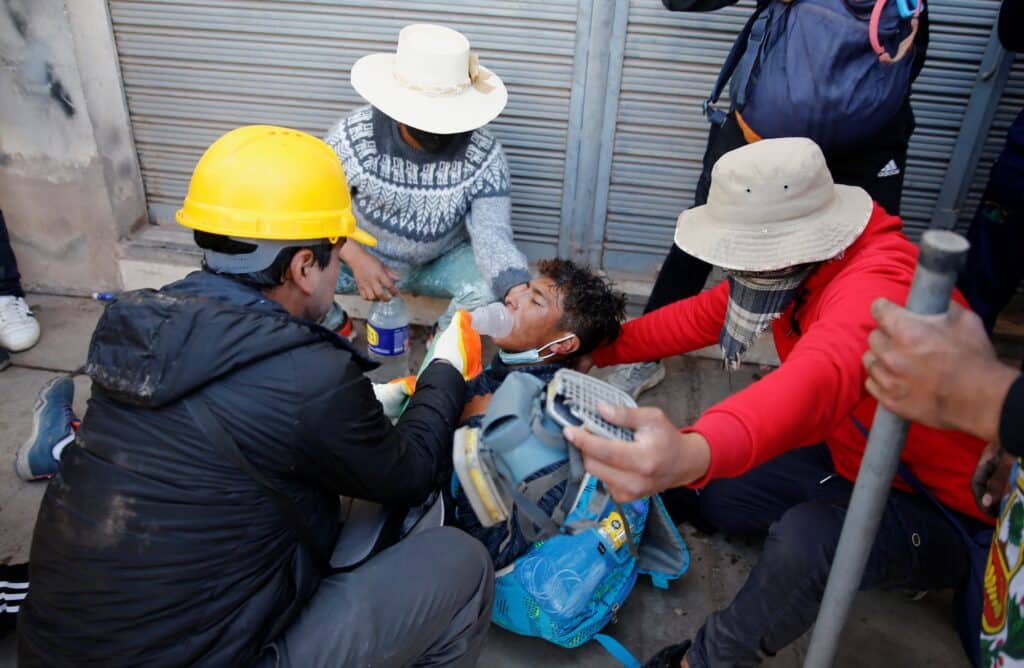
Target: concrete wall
69	177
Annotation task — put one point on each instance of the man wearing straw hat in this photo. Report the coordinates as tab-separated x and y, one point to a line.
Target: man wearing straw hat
804	258
427	180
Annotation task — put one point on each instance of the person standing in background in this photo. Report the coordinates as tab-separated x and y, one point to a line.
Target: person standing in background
994	269
875	164
19	329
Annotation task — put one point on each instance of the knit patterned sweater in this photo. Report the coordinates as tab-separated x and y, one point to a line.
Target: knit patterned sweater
420	205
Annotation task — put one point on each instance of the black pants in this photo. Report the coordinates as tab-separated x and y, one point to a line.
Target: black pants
801	504
683	275
10	279
994	267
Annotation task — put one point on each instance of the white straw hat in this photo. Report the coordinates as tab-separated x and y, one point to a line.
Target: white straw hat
772	205
433	83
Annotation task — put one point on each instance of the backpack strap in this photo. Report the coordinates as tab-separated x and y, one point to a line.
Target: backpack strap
595	508
533	522
572	486
736	53
617	650
904	472
221	439
629	531
541	485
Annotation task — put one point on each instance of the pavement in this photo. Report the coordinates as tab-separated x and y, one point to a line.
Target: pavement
885	628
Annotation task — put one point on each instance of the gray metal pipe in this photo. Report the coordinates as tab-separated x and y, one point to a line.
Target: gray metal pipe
942	256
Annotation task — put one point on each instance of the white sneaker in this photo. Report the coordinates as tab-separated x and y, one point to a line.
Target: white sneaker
635	379
19	329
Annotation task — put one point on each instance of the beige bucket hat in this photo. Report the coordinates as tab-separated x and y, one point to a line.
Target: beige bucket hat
772	205
434	82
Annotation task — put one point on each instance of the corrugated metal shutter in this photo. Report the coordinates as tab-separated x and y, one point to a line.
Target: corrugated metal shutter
196	69
671	62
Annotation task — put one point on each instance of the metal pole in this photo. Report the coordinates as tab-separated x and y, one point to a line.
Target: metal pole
993	72
942	256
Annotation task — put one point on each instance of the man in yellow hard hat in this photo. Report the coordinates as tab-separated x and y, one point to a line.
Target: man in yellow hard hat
194	518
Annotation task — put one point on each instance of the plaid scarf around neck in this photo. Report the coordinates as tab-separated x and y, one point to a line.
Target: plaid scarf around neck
755	300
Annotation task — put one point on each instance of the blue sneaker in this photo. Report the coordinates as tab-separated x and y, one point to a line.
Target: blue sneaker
53	427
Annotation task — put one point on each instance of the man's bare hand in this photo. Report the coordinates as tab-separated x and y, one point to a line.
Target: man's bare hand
937	370
374	280
658	458
991	480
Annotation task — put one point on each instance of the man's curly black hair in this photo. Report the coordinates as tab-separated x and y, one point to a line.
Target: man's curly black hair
593	310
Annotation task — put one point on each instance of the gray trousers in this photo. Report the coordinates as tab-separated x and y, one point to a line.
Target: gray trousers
423	602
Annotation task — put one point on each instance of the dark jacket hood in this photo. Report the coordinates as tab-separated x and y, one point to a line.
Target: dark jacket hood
152	347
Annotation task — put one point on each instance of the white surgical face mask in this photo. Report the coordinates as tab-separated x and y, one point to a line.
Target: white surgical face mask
532	356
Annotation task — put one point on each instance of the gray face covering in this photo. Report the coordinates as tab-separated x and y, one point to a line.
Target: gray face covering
755	300
263	256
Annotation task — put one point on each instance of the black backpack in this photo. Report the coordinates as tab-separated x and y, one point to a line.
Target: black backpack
835	71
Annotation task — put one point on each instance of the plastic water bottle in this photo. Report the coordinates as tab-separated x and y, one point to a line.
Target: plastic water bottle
561	580
493	320
387	339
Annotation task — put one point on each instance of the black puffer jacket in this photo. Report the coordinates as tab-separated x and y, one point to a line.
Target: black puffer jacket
152	548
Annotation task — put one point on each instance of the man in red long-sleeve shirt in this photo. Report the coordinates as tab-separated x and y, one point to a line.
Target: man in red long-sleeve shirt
804	258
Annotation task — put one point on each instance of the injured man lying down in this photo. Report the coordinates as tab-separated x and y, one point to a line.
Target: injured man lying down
563	313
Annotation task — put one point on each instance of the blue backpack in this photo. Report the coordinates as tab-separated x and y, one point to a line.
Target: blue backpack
567	588
820	69
575	554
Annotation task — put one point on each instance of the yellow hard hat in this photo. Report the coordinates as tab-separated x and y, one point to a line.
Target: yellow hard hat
266	182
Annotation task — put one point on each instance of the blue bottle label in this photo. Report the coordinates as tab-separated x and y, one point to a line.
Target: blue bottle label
387	342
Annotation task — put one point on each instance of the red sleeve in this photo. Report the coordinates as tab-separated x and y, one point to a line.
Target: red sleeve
818	385
675	329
